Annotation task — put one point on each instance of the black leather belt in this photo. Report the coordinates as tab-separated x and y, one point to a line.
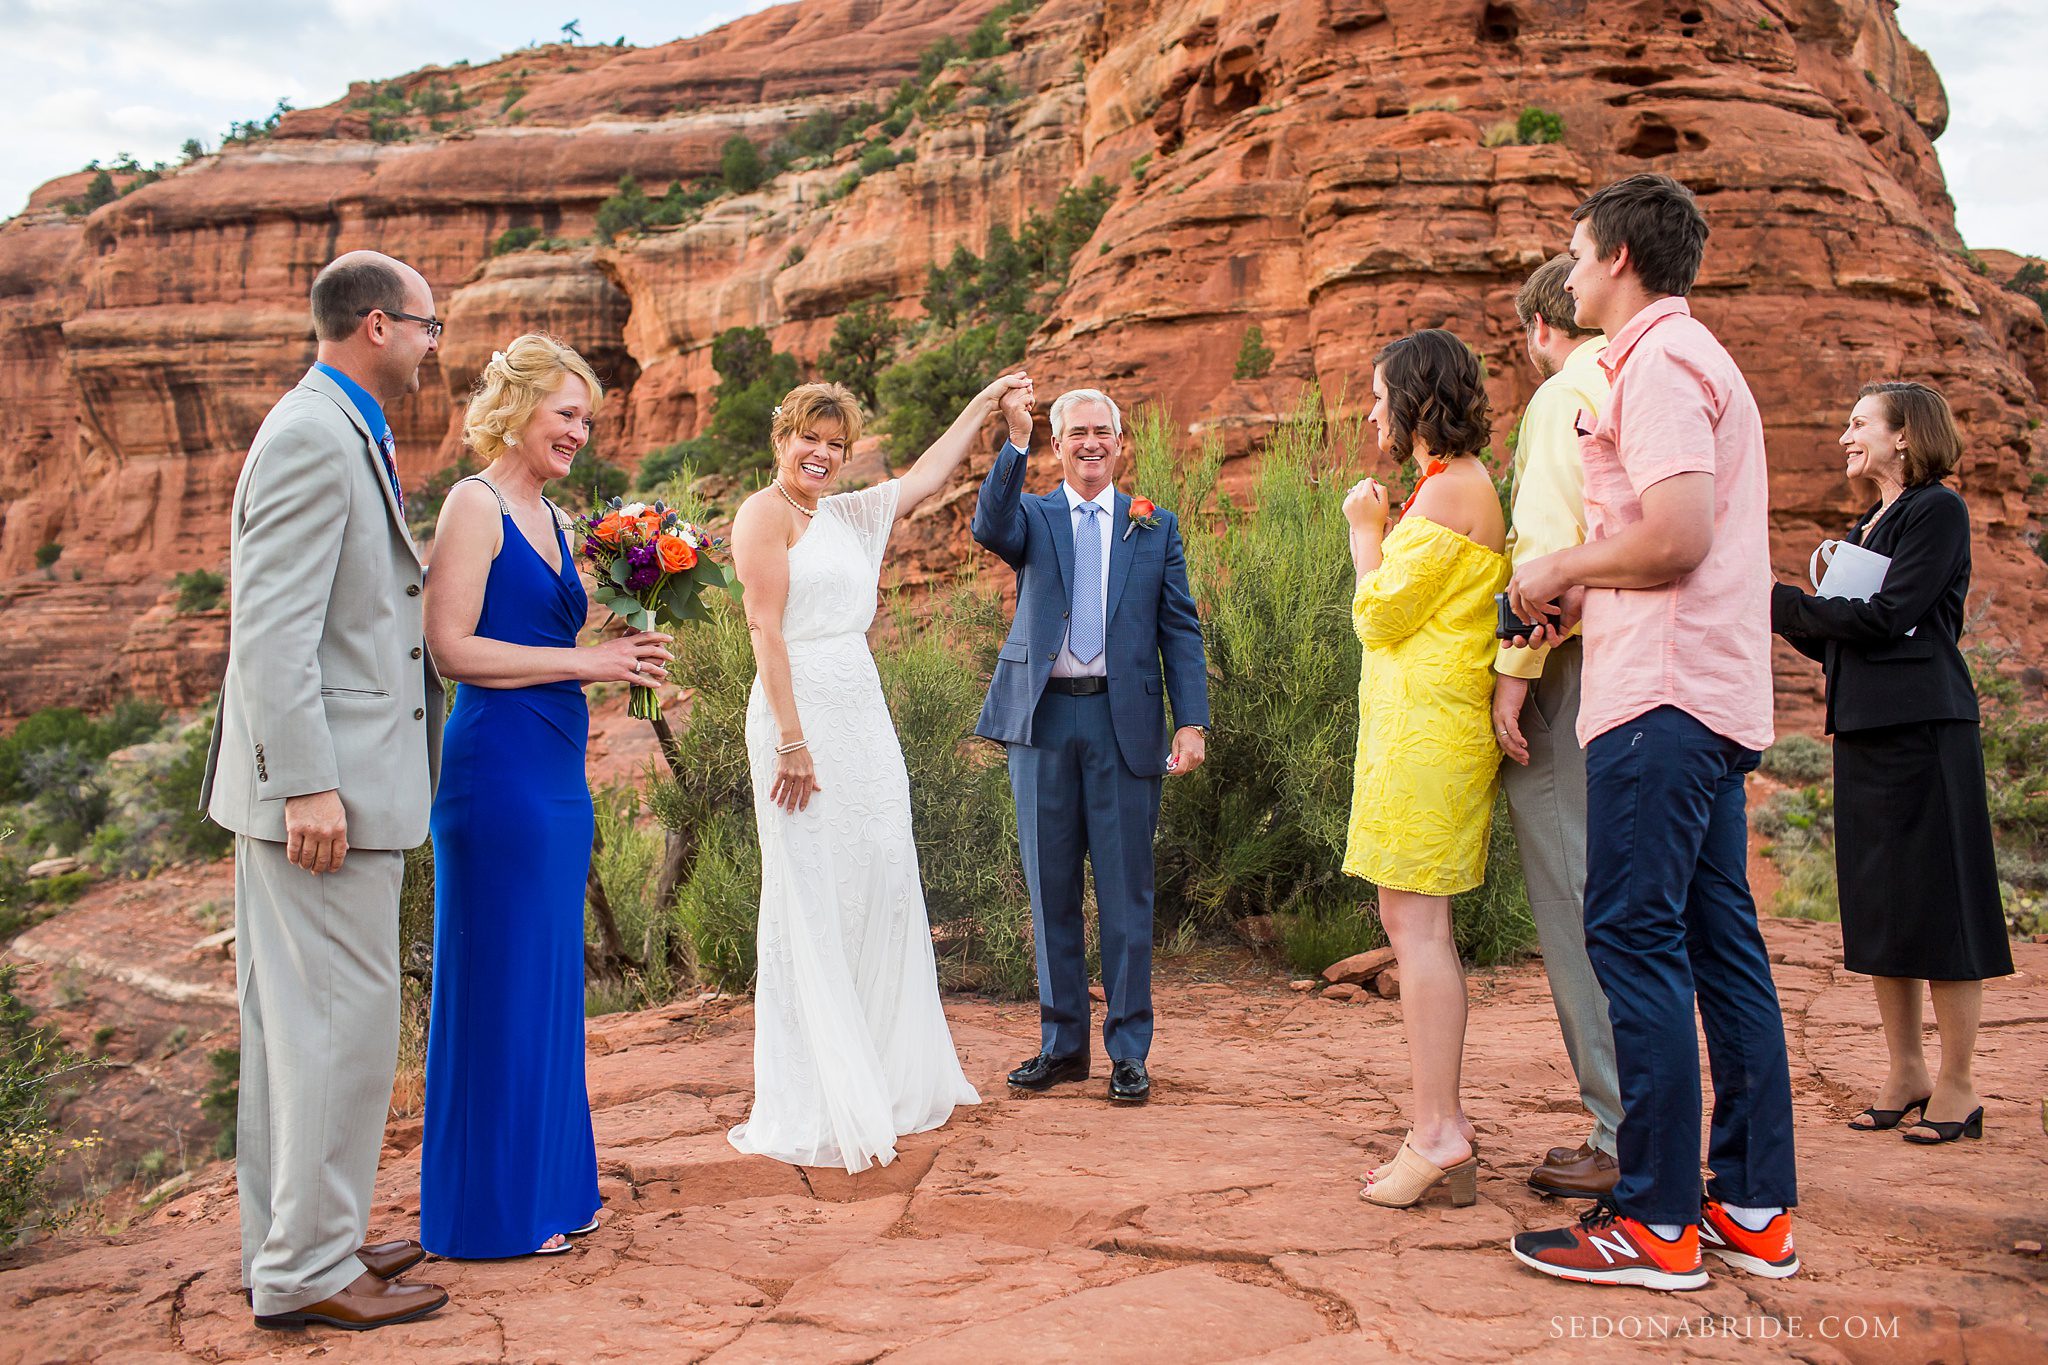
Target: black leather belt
1077	687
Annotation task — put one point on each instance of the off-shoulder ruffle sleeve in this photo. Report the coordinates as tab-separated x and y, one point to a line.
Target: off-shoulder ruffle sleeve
1419	568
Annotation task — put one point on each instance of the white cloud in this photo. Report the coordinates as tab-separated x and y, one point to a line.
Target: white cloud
1988	54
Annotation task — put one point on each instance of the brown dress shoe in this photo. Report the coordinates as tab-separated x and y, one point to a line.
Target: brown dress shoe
1586	1173
385	1260
389	1260
367	1303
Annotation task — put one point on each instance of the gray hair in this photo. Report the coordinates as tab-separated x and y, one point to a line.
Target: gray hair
1073	398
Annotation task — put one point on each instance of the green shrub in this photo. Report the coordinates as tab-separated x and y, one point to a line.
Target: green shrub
1799	759
423	508
877	158
590	482
752	378
223	1097
864	341
515	239
1254	356
921	396
67	728
739	162
61	889
99	192
47	555
198	590
1261	827
32	1061
631	209
935	677
1535	126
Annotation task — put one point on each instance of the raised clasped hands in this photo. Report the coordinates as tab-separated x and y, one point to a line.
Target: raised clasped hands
1365	506
1013	397
638	656
796	780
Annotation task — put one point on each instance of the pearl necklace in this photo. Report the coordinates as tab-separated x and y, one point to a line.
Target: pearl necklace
807	511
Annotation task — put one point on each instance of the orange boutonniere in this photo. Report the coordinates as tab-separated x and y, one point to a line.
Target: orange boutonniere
1144	514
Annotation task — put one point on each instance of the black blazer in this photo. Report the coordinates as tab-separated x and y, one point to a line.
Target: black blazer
1877	674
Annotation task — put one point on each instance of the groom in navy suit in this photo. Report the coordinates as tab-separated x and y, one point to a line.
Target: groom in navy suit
1104	619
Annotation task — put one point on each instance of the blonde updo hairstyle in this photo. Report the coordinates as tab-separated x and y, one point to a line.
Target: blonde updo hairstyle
807	407
513	385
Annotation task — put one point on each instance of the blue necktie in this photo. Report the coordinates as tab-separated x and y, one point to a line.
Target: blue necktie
1084	635
388	448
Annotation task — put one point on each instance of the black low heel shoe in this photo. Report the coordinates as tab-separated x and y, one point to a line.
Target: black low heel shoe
1881	1119
1971	1127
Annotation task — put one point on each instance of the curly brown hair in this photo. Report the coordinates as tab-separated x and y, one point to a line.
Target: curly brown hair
1436	392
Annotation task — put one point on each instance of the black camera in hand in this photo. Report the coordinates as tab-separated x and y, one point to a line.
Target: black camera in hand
1509	626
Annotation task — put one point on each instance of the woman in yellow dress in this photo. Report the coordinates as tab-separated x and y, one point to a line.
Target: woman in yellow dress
1422	797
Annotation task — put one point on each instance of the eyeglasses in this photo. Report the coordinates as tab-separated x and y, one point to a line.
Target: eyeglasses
434	326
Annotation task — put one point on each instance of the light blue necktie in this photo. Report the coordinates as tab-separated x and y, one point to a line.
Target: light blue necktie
1084	635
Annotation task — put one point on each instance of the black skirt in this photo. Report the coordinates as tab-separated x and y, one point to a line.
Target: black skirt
1919	881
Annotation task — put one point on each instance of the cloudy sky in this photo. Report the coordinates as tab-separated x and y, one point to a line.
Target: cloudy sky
94	78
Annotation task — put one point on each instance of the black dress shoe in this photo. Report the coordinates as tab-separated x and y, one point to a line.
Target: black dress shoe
1045	1071
1128	1083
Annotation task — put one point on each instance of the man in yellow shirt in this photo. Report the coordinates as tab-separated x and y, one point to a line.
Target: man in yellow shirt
1535	719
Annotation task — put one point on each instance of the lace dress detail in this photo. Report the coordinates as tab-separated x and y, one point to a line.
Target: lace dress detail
1422	793
851	1045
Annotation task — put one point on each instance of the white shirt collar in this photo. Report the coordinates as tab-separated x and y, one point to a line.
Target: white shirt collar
1106	499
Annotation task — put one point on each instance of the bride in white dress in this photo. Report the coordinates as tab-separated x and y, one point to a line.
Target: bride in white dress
851	1047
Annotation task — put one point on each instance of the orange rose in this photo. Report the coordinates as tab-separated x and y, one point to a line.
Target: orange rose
650	525
1142	507
676	554
608	529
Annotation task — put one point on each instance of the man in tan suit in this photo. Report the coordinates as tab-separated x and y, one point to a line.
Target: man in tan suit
323	764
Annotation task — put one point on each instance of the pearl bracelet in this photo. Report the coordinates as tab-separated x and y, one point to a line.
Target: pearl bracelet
781	749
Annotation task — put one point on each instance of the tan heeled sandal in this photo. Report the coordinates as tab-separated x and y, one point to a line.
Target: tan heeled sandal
1382	1171
1412	1175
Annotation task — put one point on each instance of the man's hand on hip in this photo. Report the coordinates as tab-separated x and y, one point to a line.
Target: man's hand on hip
1190	747
316	831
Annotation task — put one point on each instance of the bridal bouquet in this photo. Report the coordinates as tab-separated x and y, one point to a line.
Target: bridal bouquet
652	568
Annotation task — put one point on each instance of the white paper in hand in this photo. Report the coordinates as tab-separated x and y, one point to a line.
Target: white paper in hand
1851	572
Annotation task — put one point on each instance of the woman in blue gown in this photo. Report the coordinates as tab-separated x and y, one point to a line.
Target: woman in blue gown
509	1166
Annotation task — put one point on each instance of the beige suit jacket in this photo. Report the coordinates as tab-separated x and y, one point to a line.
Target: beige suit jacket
329	685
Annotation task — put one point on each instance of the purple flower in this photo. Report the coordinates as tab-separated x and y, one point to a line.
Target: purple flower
643	576
641	555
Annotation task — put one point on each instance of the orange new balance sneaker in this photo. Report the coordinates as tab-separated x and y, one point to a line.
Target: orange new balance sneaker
1606	1247
1768	1253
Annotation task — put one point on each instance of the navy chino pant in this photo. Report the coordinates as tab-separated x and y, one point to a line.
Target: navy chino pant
1076	800
1670	922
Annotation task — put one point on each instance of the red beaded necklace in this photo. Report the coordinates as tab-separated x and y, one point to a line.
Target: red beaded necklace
1429	471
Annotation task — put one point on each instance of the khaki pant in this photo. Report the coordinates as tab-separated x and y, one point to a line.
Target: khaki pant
316	970
1547	802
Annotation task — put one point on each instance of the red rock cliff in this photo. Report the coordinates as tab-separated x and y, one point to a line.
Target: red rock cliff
1319	167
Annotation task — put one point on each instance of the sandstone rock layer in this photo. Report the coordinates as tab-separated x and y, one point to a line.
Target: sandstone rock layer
1332	170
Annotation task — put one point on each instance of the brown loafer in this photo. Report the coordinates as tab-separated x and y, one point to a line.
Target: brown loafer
366	1304
1587	1173
385	1260
389	1260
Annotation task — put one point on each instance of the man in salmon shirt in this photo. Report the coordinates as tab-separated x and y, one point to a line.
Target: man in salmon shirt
1674	585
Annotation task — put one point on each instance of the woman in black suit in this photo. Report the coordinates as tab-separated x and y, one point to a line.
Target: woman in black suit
1913	857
